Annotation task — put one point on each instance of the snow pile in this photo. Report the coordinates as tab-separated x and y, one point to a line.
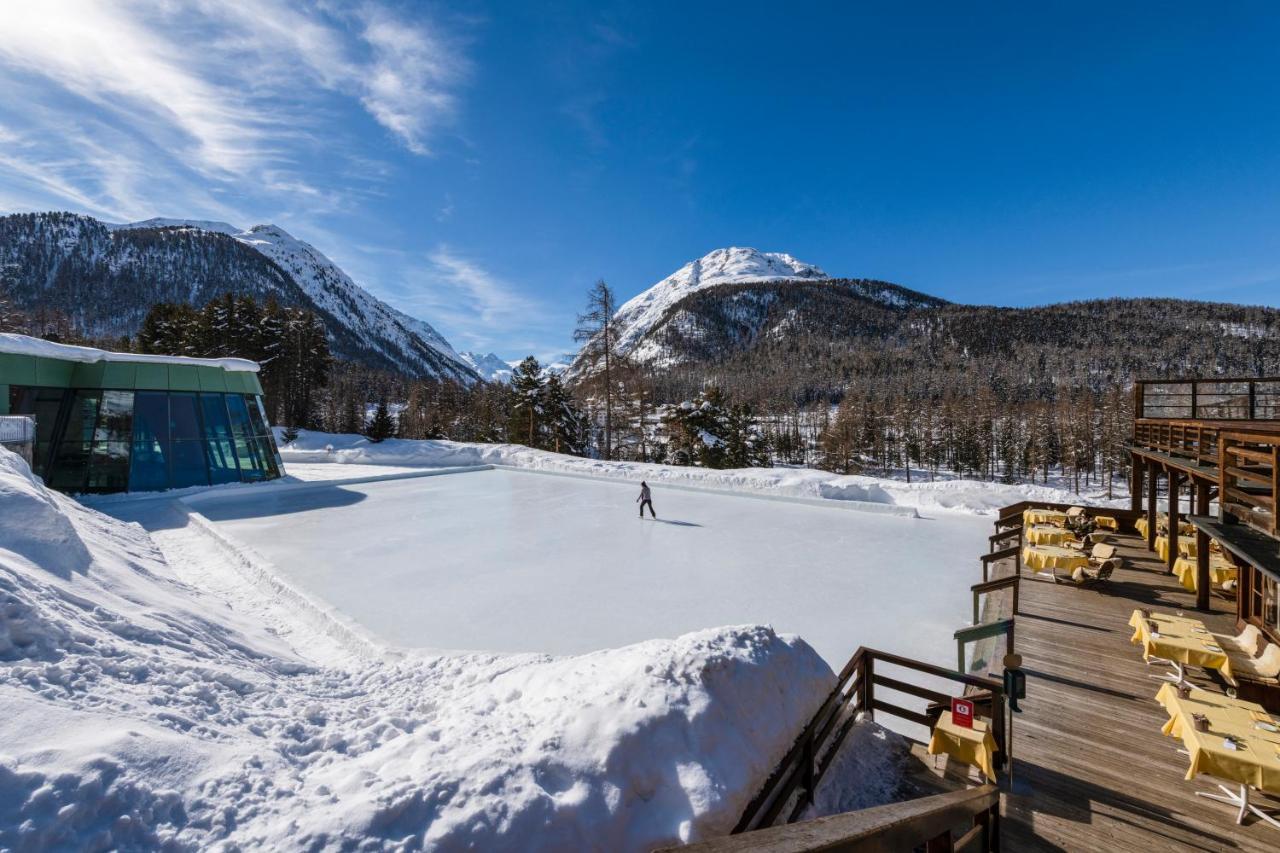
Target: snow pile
14	344
969	496
137	711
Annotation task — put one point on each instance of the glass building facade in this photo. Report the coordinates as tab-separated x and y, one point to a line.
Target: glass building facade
95	438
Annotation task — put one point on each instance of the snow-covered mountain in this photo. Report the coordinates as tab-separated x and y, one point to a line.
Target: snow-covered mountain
494	369
406	340
654	327
490	367
105	277
638	316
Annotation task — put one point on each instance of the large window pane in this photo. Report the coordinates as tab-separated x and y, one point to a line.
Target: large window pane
82	417
108	466
184	422
256	416
149	456
250	457
43	405
69	466
186	464
71	457
151	418
115	417
222	461
268	454
240	424
213	408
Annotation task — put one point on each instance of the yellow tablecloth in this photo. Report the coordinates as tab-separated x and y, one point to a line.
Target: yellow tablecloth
1186	546
1256	762
1220	571
1180	639
1043	516
1106	522
1162	523
1044	558
1047	534
975	746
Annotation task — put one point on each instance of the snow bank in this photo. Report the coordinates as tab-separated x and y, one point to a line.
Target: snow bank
969	496
23	345
138	712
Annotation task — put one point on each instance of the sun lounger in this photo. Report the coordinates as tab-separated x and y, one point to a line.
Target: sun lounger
1083	577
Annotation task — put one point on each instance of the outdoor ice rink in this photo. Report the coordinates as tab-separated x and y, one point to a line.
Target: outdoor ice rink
513	561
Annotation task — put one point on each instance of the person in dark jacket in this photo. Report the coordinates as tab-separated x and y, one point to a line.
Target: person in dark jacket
646	500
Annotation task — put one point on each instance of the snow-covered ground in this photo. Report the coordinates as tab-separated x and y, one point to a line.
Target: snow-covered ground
158	687
147	700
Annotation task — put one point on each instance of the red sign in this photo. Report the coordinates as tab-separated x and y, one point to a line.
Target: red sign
962	713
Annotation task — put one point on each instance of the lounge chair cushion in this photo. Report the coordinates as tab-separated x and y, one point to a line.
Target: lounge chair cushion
1264	668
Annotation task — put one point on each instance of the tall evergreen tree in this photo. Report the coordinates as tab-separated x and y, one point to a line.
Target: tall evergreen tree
381	426
567	430
527	388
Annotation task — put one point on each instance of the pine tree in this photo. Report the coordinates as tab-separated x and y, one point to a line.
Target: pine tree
526	390
566	425
381	426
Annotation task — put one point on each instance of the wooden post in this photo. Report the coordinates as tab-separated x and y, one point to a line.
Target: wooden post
1275	490
865	688
1171	555
1136	477
1202	570
1153	473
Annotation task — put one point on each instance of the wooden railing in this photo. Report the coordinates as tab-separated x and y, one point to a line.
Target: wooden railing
1249	477
957	820
1014	551
792	785
987	587
1215	399
1191	440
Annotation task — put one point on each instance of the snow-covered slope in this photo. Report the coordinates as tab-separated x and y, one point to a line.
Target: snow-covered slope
400	339
139	711
723	266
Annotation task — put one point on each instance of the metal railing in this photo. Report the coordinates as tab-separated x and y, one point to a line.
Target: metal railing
1217	399
18	433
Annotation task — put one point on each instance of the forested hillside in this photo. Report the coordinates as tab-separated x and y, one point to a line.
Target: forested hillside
843	375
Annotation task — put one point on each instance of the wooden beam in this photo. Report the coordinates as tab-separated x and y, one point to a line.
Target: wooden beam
1171	555
1136	477
1202	549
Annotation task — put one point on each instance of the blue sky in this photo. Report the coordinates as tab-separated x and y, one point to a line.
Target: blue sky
479	165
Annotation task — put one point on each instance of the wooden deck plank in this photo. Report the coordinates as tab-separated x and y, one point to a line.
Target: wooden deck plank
1091	769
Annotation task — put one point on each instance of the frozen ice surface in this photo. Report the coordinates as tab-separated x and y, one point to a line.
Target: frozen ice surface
515	561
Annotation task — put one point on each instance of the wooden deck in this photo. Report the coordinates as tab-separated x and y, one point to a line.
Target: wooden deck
1091	769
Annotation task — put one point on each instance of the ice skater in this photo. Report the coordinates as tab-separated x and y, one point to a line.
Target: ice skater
646	500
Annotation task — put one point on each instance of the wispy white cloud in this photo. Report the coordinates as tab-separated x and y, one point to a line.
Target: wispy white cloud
477	309
207	97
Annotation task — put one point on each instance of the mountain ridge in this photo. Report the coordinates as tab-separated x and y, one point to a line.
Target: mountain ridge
65	262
